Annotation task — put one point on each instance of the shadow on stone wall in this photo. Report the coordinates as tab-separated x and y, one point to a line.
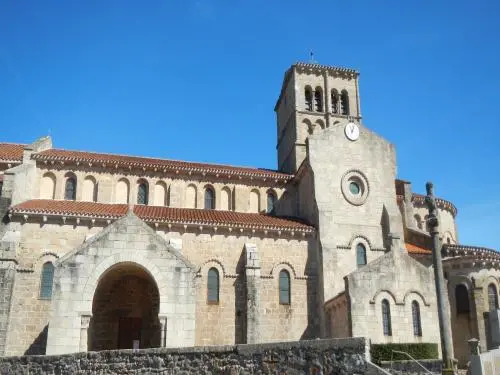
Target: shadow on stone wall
39	346
240	308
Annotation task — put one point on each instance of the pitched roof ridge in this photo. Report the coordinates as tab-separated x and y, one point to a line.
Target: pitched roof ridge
150	158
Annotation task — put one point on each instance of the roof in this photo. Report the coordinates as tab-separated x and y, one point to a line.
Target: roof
164	165
11	152
419	199
414	249
157	214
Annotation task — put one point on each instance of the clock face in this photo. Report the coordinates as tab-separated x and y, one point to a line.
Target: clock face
352	131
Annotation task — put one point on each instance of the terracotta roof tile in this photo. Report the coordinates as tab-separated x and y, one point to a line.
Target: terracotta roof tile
11	152
414	249
162	164
160	214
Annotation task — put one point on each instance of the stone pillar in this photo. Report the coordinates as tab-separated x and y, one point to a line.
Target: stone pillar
252	272
84	329
163	325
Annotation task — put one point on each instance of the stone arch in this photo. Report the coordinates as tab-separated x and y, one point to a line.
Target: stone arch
384	293
212	263
190	197
122	191
125	257
254	201
283	265
89	193
225	199
48	186
360	238
160	194
320	123
417	293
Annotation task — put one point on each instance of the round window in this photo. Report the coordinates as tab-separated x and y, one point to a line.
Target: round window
355	187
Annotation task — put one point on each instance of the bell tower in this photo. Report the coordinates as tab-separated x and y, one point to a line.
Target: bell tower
312	97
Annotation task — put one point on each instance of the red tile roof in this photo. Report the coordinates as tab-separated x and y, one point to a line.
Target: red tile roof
414	249
160	164
11	152
156	214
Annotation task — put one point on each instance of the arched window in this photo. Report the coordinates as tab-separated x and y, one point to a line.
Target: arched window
160	195
142	193
271	201
70	189
190	197
462	299
360	254
344	99
284	287
308	99
89	193
418	221
47	189
335	101
209	198
254	201
213	286
386	318
417	323
122	191
492	297
318	100
225	199
46	281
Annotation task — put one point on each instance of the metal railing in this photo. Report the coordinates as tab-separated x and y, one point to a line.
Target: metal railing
413	359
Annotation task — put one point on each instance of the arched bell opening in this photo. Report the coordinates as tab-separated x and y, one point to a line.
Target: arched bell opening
125	310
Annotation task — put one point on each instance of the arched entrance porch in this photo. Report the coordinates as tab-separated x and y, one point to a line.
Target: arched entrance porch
125	310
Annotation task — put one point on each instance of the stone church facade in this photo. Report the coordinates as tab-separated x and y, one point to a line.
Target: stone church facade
102	251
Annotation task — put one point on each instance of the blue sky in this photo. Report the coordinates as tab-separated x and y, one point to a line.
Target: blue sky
198	80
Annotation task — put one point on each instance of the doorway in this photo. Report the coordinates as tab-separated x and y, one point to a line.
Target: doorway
125	310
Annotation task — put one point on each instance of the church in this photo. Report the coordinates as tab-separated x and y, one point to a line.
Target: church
102	251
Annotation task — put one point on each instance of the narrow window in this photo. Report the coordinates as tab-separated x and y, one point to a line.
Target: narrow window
46	281
209	199
1	186
318	100
360	254
142	193
386	318
284	287
213	286
308	97
271	201
492	297
70	189
335	101
462	299
345	103
417	323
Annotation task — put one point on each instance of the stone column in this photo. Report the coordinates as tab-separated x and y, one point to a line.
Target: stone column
84	328
163	325
252	272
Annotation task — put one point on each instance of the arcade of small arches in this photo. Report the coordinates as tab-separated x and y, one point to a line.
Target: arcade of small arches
314	101
159	196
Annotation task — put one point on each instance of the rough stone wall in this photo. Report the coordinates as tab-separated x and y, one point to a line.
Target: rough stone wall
400	279
223	323
474	324
337	317
341	223
342	357
7	278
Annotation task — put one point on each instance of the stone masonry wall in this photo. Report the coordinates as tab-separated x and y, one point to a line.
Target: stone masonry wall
333	356
7	277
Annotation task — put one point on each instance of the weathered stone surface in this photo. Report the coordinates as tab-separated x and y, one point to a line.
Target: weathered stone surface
412	368
334	356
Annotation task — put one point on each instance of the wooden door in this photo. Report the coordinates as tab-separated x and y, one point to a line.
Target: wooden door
129	329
